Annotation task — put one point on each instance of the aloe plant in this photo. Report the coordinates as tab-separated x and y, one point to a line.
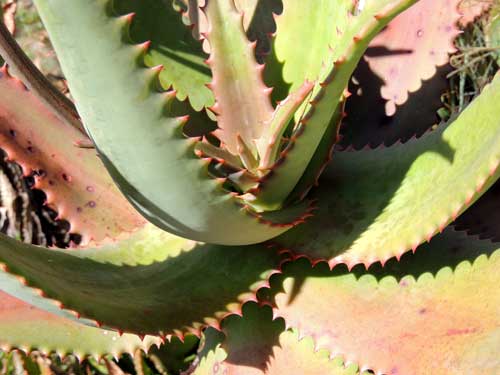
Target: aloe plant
216	171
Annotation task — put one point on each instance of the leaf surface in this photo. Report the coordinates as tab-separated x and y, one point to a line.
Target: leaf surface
435	312
149	283
72	177
389	200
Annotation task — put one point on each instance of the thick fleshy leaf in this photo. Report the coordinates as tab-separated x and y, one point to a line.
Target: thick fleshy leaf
389	200
243	105
321	23
412	46
372	126
172	46
25	327
255	344
126	117
258	21
149	283
436	312
328	96
72	177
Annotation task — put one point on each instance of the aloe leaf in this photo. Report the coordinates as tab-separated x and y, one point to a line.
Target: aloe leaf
390	200
60	105
28	328
427	30
149	283
328	95
120	110
173	46
321	24
242	105
73	178
402	76
258	21
372	126
424	315
256	344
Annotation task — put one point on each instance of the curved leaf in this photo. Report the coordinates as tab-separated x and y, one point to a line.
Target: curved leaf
172	46
126	118
72	177
389	200
149	283
25	327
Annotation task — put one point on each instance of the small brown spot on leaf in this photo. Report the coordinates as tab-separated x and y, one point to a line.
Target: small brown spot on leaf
30	149
90	189
420	33
422	311
91	204
66	177
12	132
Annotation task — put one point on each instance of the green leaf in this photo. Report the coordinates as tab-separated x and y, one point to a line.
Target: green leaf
315	117
389	200
150	283
172	46
137	133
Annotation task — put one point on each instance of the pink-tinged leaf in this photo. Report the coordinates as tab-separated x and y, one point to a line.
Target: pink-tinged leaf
70	174
413	45
372	126
242	104
471	9
255	344
269	144
26	327
435	312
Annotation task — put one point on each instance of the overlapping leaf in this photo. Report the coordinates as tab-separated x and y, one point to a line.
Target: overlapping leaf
72	177
389	200
149	283
27	328
138	134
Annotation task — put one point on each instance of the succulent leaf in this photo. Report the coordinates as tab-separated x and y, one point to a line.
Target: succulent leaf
424	315
328	96
390	200
119	109
242	105
320	24
27	328
72	177
171	45
176	285
256	344
424	36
